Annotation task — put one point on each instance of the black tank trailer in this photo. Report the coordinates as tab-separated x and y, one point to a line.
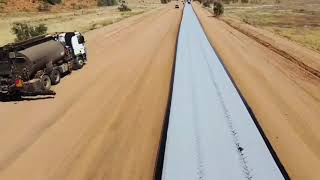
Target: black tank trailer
29	68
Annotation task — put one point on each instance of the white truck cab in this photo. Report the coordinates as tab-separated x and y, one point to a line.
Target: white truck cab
76	42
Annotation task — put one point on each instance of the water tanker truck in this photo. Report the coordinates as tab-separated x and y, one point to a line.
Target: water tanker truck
29	68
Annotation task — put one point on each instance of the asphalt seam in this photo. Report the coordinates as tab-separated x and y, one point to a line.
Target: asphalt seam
200	164
233	131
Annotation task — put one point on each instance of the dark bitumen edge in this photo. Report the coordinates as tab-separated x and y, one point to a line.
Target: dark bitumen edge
268	144
162	147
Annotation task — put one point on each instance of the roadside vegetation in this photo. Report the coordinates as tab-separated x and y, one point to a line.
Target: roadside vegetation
82	20
23	31
16	6
165	1
123	6
107	2
218	8
297	20
107	22
206	3
53	2
2	4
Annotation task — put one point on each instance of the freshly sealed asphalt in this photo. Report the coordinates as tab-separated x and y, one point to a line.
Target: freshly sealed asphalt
211	135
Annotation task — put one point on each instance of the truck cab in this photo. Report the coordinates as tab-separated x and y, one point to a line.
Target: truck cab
76	43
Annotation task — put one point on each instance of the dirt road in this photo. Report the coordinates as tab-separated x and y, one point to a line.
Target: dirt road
284	97
105	121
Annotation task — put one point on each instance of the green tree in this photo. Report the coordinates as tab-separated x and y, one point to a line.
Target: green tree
218	8
24	31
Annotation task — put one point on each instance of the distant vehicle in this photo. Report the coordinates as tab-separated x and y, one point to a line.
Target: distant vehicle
29	68
177	6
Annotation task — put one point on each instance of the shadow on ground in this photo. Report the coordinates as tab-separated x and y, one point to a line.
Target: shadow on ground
21	98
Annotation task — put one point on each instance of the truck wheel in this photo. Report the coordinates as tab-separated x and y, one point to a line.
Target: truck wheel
45	82
55	77
79	62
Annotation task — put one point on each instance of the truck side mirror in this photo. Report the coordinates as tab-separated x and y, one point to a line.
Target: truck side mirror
12	55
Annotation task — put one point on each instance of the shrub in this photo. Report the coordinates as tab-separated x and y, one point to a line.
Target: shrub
78	6
44	7
246	20
164	1
206	3
123	6
218	8
53	2
24	31
244	1
107	2
255	1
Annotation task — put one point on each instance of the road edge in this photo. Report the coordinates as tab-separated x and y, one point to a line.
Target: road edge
163	139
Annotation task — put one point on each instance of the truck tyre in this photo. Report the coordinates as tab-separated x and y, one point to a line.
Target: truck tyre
45	82
79	62
55	77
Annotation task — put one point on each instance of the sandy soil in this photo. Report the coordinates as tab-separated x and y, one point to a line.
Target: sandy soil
307	59
284	97
298	20
105	121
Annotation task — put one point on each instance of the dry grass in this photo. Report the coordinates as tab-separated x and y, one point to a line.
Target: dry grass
298	20
79	20
12	6
105	22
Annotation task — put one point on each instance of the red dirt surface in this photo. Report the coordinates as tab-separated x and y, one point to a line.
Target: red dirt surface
106	119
